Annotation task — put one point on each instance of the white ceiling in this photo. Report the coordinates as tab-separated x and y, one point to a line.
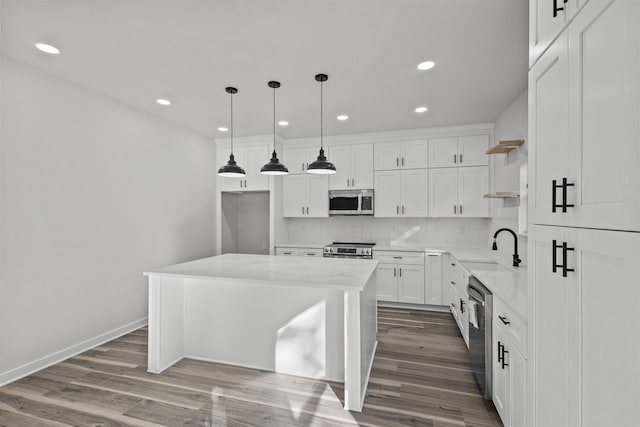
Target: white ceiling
189	50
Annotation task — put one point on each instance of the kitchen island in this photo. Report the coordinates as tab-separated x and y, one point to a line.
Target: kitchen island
313	317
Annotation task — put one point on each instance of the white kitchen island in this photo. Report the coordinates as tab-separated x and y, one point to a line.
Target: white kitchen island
313	317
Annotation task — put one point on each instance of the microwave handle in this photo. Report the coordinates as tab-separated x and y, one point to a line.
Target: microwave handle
360	202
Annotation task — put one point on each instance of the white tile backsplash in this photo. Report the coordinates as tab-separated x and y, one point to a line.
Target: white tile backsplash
469	232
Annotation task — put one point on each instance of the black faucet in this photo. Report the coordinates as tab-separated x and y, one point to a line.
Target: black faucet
516	258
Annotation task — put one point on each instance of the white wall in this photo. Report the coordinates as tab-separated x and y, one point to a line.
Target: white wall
245	222
93	193
511	124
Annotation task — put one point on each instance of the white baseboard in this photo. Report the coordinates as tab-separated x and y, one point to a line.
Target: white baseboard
53	358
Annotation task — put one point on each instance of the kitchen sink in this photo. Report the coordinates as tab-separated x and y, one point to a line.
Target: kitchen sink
486	266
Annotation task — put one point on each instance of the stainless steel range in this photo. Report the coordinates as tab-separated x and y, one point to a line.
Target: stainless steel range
349	250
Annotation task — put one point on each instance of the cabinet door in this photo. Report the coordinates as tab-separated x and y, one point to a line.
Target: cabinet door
443	192
387	156
553	329
387	278
294	195
501	393
443	152
317	196
387	194
340	156
543	25
517	389
473	183
414	155
603	119
411	283
549	134
254	158
287	251
297	159
472	150
453	305
362	166
414	187
433	279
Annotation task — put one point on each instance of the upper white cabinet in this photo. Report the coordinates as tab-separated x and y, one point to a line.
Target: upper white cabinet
457	192
251	159
354	167
582	332
584	104
305	196
401	193
458	151
297	159
400	155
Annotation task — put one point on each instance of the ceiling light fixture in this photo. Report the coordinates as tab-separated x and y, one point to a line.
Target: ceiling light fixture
48	48
223	129
231	169
342	117
274	167
321	165
427	65
283	123
164	102
421	109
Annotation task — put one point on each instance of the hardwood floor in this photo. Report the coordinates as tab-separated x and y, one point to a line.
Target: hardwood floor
420	377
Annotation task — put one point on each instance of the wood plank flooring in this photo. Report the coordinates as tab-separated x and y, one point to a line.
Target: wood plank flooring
420	377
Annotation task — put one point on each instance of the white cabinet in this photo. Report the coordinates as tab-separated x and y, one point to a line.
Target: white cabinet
433	279
400	155
509	364
583	113
298	251
354	167
305	196
401	193
251	159
583	327
457	192
400	276
459	298
297	159
458	151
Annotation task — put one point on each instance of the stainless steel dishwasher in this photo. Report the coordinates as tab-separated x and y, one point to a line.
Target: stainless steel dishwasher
480	319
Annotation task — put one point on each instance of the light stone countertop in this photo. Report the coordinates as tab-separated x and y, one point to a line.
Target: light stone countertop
276	270
510	287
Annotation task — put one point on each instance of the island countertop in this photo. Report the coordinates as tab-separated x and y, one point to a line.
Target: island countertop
266	269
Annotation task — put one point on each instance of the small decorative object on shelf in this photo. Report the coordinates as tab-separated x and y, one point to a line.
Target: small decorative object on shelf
505	146
501	195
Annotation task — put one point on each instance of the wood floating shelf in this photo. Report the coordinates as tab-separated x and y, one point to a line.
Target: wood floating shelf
505	146
502	195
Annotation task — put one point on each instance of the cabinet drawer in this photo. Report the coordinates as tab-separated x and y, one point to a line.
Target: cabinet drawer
399	257
287	251
311	252
512	325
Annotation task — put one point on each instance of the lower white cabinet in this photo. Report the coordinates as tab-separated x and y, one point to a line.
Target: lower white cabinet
305	196
400	276
433	279
583	347
509	365
299	251
459	280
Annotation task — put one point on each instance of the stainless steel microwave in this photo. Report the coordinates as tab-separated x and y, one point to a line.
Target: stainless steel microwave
351	202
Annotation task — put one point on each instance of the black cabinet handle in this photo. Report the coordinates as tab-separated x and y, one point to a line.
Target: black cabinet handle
499	352
557	9
461	306
554	188
554	258
504	359
504	320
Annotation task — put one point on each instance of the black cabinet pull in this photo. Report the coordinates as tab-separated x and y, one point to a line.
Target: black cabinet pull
557	9
504	320
554	188
504	359
461	306
554	260
499	352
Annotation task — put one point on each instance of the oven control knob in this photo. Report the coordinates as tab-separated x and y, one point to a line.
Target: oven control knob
327	250
367	251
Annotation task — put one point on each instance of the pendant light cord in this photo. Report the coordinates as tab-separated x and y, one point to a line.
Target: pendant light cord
231	124
274	119
321	83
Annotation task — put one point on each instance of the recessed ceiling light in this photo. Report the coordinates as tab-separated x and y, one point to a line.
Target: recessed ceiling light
421	109
48	48
343	117
223	129
427	65
163	101
283	123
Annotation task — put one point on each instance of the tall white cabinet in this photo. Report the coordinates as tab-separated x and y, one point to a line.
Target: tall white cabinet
584	136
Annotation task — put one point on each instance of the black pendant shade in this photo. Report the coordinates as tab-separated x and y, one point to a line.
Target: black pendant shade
231	169
321	165
274	167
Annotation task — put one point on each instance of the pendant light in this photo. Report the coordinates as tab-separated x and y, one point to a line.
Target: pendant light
274	167
321	165
231	169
